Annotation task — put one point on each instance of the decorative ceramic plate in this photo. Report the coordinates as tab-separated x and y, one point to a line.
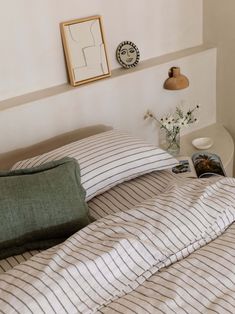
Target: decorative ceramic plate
128	54
202	142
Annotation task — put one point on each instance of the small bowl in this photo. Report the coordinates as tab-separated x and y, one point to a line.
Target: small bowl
202	142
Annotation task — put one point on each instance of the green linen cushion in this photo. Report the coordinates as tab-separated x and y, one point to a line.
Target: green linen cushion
40	206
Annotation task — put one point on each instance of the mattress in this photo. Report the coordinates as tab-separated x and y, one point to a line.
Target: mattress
161	244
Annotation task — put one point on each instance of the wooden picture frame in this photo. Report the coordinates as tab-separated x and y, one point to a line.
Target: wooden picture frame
85	50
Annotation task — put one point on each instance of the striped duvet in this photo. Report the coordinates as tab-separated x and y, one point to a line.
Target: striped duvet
171	253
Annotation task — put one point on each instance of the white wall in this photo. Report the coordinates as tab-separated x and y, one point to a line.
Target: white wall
219	26
31	54
120	102
31	58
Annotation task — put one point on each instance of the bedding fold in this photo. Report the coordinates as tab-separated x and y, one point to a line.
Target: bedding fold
116	254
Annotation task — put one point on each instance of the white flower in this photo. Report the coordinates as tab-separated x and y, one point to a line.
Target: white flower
172	123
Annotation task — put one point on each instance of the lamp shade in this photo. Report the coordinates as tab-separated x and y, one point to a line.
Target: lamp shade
176	80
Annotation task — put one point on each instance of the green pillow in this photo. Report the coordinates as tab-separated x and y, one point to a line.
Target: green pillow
40	206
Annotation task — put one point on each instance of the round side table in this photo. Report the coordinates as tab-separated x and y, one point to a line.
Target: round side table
223	145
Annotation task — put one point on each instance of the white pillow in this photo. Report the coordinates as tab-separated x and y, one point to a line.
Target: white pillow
107	159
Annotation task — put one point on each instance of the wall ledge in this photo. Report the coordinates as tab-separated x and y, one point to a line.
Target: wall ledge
63	88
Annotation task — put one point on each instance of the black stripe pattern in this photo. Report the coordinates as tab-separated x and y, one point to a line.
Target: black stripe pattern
156	257
107	159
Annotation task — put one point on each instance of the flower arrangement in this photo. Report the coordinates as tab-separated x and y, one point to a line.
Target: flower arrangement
172	124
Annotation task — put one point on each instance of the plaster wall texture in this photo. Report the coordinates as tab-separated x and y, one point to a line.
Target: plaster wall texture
32	59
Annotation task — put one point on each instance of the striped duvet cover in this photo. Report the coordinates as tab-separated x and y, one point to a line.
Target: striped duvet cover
171	252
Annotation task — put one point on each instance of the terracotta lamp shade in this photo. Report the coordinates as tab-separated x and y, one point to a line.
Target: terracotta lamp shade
176	80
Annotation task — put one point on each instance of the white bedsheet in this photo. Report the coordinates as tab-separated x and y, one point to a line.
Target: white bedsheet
133	261
130	193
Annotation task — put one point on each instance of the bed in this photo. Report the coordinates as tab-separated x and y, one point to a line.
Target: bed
158	243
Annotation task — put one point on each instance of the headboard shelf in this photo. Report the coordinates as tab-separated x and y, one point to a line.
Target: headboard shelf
63	88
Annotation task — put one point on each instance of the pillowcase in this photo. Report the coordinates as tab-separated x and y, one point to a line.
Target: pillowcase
107	159
41	206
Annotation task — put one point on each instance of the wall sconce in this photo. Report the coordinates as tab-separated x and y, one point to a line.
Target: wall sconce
176	80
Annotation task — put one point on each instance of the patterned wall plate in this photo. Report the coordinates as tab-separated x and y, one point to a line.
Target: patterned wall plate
128	54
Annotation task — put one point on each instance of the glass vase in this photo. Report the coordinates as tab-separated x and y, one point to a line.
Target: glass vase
171	142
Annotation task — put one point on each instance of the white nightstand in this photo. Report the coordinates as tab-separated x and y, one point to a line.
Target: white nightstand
223	145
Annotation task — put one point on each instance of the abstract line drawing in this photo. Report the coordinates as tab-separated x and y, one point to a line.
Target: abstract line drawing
85	50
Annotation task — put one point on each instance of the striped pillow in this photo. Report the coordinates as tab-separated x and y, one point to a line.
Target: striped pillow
107	159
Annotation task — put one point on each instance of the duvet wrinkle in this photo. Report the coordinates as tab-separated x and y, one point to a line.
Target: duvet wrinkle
112	259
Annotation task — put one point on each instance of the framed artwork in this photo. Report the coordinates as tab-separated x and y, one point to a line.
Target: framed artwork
127	54
85	50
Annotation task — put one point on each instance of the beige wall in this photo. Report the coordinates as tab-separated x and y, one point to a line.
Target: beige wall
31	59
31	54
119	101
219	29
